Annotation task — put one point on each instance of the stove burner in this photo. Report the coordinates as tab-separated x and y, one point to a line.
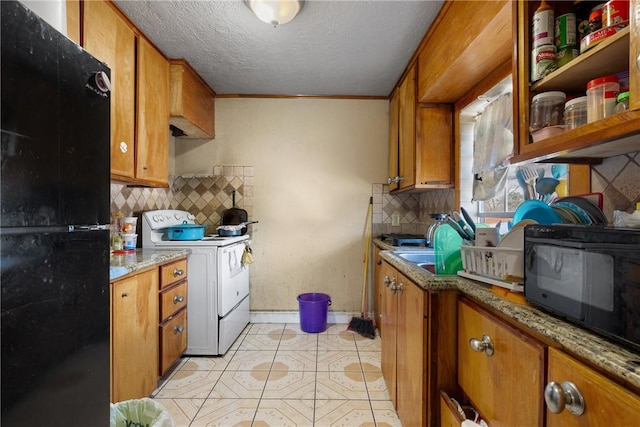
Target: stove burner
397	239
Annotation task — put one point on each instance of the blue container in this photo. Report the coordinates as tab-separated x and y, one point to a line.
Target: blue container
313	312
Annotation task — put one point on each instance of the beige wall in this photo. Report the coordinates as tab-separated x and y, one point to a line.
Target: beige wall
314	161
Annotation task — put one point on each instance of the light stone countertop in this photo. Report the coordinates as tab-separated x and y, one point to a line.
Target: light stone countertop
614	359
123	264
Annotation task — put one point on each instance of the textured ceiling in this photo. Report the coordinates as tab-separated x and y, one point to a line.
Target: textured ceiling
344	48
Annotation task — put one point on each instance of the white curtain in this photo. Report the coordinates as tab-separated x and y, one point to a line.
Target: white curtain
492	147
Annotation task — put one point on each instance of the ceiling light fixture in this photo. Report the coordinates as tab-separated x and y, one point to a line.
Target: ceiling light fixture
275	12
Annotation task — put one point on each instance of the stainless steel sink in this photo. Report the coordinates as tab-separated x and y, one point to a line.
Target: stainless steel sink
423	258
417	257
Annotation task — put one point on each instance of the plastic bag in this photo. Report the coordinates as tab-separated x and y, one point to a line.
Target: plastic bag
626	220
144	412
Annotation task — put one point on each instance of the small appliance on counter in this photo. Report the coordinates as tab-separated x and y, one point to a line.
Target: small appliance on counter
587	274
397	239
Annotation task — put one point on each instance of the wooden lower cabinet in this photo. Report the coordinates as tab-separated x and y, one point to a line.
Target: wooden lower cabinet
418	346
605	402
173	339
134	336
173	313
411	343
403	345
500	369
389	324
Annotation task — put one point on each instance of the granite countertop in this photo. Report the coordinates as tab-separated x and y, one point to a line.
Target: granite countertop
123	264
616	360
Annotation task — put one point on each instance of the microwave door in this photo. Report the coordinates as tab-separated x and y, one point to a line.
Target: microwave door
557	276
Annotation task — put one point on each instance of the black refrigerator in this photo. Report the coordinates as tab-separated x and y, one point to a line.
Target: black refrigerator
54	238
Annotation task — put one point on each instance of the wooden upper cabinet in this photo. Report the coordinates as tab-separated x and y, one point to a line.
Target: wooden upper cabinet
394	117
73	20
454	59
420	140
434	146
110	39
152	136
610	136
407	129
605	402
192	102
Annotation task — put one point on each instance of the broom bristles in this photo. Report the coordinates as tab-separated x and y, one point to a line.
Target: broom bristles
362	326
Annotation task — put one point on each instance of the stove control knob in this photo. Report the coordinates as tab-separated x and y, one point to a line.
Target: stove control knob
191	216
155	218
178	216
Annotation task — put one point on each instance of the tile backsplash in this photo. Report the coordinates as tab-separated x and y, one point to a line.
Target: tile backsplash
205	196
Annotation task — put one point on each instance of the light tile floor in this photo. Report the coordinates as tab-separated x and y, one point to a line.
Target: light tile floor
276	375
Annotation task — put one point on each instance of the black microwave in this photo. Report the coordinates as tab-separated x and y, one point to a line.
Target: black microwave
589	275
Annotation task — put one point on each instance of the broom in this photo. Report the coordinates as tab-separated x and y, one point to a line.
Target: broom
362	325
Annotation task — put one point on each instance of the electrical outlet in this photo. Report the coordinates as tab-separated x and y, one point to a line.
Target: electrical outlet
395	220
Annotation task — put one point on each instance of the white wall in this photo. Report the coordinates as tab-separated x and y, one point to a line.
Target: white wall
52	11
314	164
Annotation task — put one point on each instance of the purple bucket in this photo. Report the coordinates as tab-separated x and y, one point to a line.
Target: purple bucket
313	312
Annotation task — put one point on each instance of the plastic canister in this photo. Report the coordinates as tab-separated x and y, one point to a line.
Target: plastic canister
547	109
575	112
601	97
615	13
623	102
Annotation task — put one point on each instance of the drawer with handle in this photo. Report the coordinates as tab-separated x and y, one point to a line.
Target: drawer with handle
173	300
173	339
173	272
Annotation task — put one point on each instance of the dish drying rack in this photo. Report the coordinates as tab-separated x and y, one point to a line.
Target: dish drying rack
500	266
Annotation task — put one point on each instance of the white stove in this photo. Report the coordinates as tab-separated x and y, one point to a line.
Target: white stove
156	223
218	282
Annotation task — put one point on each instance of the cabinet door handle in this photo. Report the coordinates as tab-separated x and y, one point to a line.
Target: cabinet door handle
482	346
394	180
564	396
125	294
178	329
400	288
177	272
177	299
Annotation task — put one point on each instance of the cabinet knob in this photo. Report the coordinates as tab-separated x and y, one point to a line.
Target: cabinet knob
564	396
379	262
482	346
125	294
177	272
177	299
400	288
178	329
386	281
